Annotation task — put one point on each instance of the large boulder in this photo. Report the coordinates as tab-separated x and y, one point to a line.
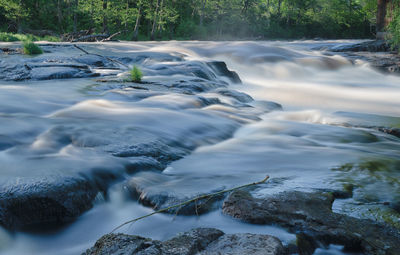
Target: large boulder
221	69
44	201
196	241
311	213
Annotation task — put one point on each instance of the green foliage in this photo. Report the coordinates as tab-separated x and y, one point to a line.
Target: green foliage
196	19
136	74
30	48
7	37
10	37
394	29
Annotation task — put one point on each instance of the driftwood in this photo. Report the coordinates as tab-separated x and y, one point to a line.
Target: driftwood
88	36
69	37
91	38
110	59
111	37
194	200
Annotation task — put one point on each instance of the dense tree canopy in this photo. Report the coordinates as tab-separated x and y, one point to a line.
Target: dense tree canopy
195	19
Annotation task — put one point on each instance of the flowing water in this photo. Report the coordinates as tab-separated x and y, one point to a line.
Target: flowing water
326	137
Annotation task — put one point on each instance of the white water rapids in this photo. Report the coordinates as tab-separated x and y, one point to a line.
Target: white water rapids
331	110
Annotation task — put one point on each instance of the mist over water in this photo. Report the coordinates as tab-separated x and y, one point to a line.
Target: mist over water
331	111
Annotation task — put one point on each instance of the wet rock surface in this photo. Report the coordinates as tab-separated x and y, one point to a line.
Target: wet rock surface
379	54
311	214
371	46
196	241
237	244
52	67
44	201
385	61
157	191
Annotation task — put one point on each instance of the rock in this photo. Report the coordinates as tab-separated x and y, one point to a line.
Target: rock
157	150
196	241
390	131
145	57
305	244
30	202
44	69
238	244
221	69
239	96
371	46
13	71
311	213
190	242
118	244
94	60
156	190
187	68
50	73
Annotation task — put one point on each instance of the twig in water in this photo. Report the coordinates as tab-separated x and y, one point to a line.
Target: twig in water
79	48
191	201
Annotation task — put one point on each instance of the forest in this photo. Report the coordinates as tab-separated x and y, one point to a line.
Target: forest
194	19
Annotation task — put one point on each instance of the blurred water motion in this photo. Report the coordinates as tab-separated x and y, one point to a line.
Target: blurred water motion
332	111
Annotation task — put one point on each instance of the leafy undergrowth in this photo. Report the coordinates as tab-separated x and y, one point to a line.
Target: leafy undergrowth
10	37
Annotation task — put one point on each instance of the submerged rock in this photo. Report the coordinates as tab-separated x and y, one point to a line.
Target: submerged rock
159	191
311	213
196	241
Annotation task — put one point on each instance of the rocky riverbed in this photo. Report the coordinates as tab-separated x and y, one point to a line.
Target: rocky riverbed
80	142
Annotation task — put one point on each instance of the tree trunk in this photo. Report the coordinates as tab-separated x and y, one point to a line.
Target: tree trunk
59	15
381	15
105	26
137	24
153	29
203	7
279	8
159	27
76	15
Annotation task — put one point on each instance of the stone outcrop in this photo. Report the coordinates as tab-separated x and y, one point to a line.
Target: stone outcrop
205	241
311	214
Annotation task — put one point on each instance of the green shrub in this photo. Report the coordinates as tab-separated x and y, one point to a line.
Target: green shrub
50	38
7	37
10	37
136	74
31	48
394	29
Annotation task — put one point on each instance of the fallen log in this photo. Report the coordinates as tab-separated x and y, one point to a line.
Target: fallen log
69	37
91	38
111	36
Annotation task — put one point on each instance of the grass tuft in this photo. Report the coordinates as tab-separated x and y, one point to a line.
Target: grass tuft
136	74
30	48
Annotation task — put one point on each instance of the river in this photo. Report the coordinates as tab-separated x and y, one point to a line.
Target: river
325	136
